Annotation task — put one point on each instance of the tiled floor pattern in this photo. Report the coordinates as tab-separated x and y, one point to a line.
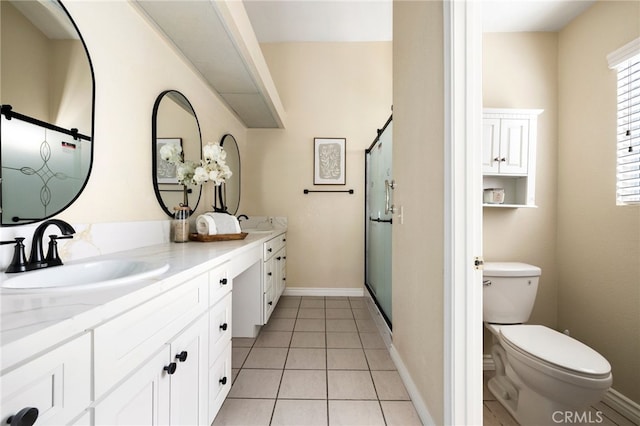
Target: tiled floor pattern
319	361
494	414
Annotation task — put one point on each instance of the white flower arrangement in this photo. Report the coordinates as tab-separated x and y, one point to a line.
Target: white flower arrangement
212	167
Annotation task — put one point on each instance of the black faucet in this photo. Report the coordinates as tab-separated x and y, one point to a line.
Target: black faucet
243	216
37	259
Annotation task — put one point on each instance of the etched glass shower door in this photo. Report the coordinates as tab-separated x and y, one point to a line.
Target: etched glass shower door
378	220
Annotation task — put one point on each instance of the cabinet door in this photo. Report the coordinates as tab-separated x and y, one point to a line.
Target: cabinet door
219	327
281	273
491	145
514	146
57	384
142	399
189	381
268	285
219	284
219	381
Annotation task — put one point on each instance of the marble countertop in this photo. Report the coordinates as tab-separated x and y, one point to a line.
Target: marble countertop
35	320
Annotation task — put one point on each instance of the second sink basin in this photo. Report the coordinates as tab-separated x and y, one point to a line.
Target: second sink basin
86	275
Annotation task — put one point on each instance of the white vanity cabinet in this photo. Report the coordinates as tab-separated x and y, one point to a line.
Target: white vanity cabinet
169	388
509	154
274	273
166	351
57	384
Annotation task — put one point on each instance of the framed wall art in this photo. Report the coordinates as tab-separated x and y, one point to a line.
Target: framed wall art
165	171
329	161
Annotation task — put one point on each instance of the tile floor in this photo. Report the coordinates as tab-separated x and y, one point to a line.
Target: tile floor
319	361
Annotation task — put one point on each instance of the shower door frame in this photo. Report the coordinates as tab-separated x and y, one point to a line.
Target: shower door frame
366	225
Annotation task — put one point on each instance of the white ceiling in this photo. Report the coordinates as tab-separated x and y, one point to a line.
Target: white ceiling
202	32
371	20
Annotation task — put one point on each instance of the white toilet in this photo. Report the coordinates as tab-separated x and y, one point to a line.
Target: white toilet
540	373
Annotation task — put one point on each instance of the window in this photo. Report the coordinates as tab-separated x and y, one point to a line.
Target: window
626	62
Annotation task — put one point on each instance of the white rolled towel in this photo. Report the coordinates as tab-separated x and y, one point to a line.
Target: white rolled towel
225	223
206	225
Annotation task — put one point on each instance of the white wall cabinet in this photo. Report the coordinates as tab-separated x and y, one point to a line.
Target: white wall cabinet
509	154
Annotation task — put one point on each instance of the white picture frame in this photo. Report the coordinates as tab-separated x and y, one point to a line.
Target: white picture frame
329	161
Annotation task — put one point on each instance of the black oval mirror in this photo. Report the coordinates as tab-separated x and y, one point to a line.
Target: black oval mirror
175	127
47	91
228	194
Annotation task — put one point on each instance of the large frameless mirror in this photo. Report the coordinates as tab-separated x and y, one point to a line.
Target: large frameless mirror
47	89
228	194
175	125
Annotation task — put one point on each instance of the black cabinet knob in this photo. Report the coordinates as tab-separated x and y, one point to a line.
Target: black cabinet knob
171	368
269	250
25	417
279	258
270	303
224	281
182	356
269	273
223	381
224	327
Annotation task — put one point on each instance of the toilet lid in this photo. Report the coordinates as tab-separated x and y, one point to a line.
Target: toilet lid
556	348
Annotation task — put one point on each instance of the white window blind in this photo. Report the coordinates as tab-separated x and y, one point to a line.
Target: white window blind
626	61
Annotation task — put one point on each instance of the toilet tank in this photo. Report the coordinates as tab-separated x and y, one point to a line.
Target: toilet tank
509	292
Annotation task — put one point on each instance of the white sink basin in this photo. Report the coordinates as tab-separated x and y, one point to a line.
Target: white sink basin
86	275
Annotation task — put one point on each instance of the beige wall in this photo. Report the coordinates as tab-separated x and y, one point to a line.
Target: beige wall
598	242
328	90
418	164
520	71
132	66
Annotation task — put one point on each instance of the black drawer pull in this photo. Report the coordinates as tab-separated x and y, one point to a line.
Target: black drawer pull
224	327
224	281
171	368
223	381
25	417
182	356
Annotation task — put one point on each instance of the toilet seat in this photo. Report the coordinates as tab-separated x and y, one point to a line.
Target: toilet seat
556	350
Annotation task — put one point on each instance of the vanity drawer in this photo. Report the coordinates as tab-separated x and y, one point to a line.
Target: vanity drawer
58	384
272	246
219	327
220	378
125	342
219	284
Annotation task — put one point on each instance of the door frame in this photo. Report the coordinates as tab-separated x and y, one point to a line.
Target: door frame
463	212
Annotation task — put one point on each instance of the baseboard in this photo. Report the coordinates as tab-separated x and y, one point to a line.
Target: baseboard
614	399
623	405
323	291
412	389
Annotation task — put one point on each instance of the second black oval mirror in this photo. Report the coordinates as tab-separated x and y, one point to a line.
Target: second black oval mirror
174	124
228	194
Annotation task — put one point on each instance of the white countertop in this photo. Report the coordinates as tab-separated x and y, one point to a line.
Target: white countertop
32	321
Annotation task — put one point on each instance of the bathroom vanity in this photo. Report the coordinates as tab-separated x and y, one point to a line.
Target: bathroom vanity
155	351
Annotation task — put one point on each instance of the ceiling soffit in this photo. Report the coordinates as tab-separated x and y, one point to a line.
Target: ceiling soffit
213	45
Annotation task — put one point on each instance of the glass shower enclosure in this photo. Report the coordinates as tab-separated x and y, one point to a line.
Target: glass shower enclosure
379	219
